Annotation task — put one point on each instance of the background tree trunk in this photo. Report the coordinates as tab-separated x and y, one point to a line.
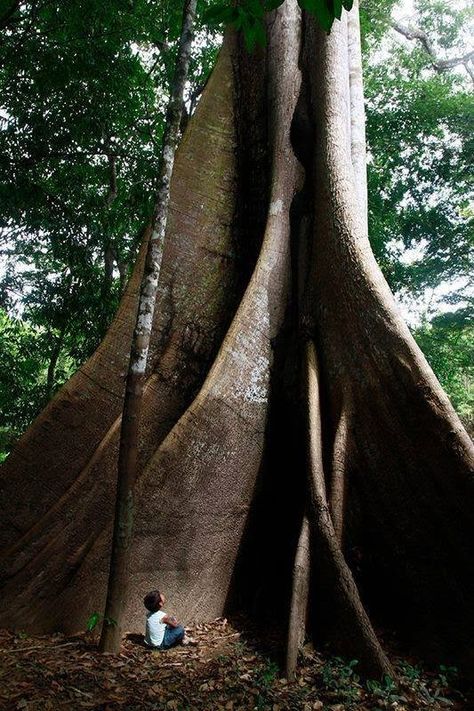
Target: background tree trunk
54	357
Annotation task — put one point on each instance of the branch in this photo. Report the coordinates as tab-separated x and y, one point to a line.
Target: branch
32	160
440	65
112	194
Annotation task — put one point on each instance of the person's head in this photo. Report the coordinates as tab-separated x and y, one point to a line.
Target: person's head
154	600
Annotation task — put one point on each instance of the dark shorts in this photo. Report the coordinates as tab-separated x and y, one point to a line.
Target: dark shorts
173	636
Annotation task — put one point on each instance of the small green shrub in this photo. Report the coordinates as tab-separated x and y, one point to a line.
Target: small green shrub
95	618
340	677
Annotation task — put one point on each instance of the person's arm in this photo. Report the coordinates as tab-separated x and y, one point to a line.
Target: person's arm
170	620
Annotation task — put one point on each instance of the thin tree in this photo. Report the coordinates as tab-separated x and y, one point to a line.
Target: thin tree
128	450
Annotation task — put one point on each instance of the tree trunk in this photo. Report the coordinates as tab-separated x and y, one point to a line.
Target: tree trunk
53	359
267	281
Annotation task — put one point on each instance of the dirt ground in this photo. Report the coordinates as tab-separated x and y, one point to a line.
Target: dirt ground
228	670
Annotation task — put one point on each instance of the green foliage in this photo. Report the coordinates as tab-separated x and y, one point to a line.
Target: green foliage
267	674
339	675
374	21
448	343
97	617
420	132
77	154
420	138
434	688
410	672
386	690
248	16
93	621
25	353
448	676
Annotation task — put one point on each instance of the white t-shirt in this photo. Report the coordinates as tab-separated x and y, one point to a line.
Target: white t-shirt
155	628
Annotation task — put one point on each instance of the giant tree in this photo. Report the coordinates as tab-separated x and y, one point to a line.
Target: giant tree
287	407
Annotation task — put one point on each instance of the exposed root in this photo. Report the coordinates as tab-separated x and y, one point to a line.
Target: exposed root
338	473
299	600
360	638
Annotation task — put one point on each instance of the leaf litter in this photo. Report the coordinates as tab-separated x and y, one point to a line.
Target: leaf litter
230	669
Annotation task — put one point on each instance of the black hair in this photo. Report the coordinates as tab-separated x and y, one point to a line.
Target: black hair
152	601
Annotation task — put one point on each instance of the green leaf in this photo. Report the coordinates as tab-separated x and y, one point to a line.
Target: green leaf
272	4
93	621
254	31
321	12
348	4
336	8
220	14
261	34
250	37
254	8
240	20
250	21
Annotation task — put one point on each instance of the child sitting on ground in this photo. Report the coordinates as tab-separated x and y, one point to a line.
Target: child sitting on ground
162	631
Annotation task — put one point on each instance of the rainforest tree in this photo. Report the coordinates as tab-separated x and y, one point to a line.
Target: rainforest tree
287	407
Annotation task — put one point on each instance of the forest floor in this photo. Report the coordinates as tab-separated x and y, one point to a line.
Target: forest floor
226	671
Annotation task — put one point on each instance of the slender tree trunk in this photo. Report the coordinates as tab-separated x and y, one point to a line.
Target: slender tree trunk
53	359
128	453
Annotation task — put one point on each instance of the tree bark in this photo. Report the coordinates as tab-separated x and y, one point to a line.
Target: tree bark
357	112
398	480
266	254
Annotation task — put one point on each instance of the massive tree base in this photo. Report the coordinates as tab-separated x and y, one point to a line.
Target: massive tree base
298	458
